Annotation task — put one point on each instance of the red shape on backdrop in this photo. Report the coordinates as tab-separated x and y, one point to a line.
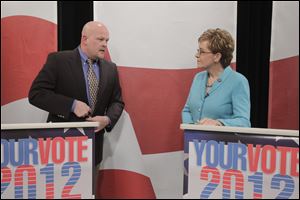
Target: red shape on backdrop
123	184
25	43
154	99
284	94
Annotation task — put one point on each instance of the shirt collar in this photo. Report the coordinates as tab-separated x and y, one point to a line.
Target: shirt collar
83	56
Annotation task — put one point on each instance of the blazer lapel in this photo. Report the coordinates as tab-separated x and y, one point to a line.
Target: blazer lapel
221	79
103	78
203	86
79	75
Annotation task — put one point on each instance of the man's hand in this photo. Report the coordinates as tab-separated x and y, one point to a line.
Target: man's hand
209	122
102	120
81	109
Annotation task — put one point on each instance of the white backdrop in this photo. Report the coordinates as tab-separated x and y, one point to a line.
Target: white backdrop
23	52
163	36
285	30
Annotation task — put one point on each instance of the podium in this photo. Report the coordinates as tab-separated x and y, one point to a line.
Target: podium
47	160
242	163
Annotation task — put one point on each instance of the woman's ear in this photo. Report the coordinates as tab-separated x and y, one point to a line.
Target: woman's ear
217	57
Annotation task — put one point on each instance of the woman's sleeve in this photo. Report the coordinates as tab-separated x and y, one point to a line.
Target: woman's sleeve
240	105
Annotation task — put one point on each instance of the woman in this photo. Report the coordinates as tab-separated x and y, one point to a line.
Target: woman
219	96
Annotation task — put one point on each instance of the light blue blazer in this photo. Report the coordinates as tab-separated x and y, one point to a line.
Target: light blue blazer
228	100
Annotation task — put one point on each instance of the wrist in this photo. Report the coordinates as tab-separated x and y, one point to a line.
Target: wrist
107	119
73	105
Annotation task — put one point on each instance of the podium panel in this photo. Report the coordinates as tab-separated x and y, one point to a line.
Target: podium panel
47	160
240	163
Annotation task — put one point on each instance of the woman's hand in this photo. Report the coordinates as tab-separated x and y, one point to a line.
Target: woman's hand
209	122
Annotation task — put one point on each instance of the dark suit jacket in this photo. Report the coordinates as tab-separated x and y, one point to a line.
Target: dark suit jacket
61	80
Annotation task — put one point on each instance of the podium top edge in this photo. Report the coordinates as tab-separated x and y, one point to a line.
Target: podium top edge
48	125
263	131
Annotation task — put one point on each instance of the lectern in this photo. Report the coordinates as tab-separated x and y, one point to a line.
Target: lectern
242	163
47	160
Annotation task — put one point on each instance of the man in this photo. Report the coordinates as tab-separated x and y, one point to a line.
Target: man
80	85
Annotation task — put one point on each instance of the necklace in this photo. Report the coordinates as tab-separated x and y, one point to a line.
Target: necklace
211	81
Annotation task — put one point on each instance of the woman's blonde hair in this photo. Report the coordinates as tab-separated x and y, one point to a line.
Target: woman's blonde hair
219	41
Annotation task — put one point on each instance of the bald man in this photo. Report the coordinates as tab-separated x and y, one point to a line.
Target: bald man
62	87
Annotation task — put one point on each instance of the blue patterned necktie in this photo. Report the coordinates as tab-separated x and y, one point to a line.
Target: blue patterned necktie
93	84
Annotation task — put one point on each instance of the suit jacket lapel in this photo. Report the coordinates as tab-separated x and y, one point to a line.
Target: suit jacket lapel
103	76
79	75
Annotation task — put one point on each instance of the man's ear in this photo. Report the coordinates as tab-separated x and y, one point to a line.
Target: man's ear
84	38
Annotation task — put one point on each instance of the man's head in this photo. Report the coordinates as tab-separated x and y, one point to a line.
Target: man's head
94	38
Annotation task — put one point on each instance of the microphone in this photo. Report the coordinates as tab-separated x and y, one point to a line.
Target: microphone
206	95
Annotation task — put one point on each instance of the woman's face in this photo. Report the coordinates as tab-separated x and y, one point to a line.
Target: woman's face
204	55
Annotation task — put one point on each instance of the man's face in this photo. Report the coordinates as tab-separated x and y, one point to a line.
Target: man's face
97	43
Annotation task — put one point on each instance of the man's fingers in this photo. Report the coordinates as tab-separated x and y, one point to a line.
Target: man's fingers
82	110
